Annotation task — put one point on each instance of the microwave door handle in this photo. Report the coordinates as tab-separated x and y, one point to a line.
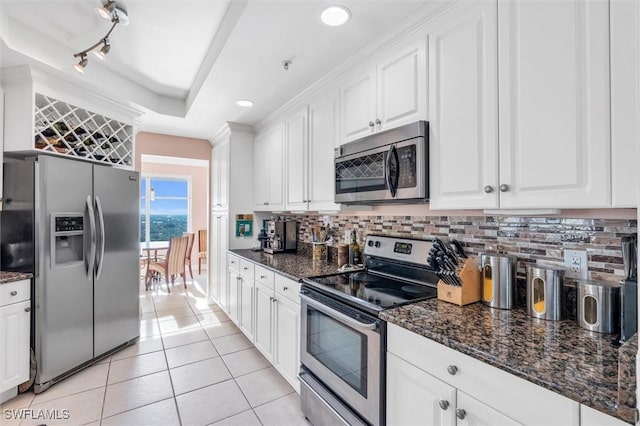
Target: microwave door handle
339	315
392	171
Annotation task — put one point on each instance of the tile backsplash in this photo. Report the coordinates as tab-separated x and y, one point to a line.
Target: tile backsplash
540	240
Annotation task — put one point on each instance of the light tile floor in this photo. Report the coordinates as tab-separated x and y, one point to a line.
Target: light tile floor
191	366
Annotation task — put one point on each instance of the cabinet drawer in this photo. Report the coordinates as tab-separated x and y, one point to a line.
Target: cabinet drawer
233	262
495	387
247	268
288	288
264	276
15	292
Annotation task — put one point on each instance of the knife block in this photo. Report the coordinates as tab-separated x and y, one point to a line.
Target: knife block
469	292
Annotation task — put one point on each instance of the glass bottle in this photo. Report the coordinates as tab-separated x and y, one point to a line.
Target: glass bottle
354	249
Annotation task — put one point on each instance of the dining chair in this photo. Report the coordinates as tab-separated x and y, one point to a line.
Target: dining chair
172	265
202	248
187	259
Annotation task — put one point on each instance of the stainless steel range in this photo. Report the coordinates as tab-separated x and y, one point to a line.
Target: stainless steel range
343	340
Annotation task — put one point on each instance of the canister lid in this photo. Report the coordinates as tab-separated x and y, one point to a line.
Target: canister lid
603	286
542	268
500	257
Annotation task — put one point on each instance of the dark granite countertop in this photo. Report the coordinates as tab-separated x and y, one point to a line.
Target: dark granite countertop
557	355
293	265
9	277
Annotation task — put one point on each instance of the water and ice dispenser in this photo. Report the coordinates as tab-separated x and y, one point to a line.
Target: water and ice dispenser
67	239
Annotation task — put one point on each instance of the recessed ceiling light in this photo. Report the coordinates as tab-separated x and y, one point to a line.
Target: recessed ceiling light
244	103
335	15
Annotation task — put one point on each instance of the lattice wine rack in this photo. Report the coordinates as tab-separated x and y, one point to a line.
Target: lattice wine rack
75	132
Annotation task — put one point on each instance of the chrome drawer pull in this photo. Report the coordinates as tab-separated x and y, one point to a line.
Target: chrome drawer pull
460	413
27	309
452	369
285	288
443	404
14	293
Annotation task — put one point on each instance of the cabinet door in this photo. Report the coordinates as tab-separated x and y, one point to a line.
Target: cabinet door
215	258
264	320
15	322
401	95
554	104
296	161
358	106
625	101
261	173
223	246
233	296
463	108
471	412
286	346
246	306
275	165
414	396
323	138
591	417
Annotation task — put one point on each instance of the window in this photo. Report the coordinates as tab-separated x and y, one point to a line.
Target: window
164	207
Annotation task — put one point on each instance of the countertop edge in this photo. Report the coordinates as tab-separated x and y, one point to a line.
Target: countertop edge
7	277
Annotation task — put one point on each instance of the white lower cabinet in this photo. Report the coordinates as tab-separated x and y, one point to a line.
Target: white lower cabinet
15	328
591	417
484	395
266	307
431	400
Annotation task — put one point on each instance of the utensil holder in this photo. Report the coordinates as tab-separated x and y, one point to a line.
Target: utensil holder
469	292
320	252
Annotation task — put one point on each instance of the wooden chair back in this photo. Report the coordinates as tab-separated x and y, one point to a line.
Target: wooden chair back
202	241
191	237
176	255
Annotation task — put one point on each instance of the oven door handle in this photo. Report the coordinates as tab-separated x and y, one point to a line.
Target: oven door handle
339	315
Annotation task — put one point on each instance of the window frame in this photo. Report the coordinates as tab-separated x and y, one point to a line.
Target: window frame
147	178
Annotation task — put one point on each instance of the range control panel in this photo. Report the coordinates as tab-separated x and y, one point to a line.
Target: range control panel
69	223
405	249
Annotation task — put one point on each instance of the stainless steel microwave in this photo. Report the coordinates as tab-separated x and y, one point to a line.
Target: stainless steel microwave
388	167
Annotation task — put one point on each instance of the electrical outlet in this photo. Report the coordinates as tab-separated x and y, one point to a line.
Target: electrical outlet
576	263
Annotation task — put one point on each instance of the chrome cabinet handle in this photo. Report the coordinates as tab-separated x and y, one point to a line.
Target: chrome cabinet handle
245	268
14	293
273	299
371	124
378	122
504	188
460	413
452	369
443	404
262	277
27	309
285	288
488	189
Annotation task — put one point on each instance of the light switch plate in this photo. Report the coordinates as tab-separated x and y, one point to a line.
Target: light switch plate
576	264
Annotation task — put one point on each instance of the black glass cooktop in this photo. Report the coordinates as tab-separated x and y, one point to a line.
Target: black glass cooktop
372	291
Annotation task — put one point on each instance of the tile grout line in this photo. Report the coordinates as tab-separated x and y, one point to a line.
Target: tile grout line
173	390
104	397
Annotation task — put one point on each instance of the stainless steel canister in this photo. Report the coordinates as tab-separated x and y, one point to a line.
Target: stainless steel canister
545	293
599	306
498	280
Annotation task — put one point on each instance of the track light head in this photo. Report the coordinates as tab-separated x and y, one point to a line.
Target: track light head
82	64
106	11
104	50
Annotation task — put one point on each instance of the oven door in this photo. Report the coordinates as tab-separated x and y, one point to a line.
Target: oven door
341	347
391	172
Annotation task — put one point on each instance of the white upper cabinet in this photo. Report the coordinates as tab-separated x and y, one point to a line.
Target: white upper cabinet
554	104
625	101
463	107
296	143
388	95
268	169
323	138
220	176
552	145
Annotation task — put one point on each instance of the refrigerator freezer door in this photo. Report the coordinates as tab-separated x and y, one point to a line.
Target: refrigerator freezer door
117	282
64	293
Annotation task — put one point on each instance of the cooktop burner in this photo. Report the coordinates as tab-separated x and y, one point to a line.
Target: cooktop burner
375	292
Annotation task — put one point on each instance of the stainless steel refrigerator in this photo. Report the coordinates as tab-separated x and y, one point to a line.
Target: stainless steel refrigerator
75	226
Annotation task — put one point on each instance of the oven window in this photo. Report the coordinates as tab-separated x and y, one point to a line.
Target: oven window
361	174
338	347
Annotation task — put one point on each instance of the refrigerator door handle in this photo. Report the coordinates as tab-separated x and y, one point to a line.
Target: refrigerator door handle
92	233
100	258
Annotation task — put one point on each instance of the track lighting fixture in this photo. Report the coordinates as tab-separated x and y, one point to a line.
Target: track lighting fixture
117	14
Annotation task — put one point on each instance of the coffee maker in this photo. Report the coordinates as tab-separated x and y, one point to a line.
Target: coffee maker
282	236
